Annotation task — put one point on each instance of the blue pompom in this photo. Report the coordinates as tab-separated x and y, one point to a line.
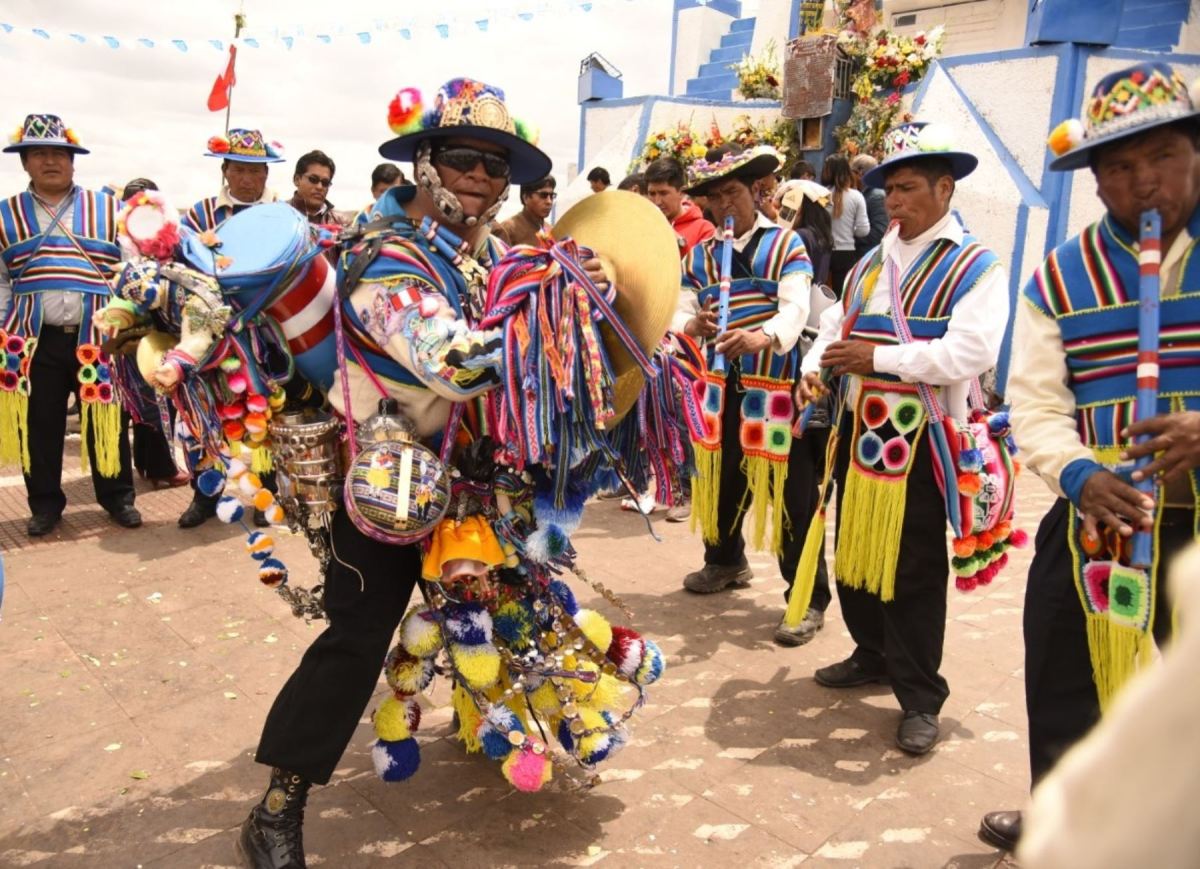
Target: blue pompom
210	483
970	461
396	761
230	509
998	422
513	623
565	596
564	736
469	624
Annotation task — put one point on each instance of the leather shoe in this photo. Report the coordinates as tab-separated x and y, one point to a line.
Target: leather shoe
41	524
260	519
918	732
847	674
127	516
714	577
1001	829
812	622
196	514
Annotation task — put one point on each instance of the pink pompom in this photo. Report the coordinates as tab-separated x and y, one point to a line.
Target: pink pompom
985	576
1001	562
1019	539
965	583
237	383
429	306
526	770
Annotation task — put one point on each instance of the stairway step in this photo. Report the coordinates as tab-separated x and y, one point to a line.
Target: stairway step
711	69
728	55
737	40
742	25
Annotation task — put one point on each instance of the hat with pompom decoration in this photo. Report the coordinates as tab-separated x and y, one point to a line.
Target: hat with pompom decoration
918	140
464	108
1124	103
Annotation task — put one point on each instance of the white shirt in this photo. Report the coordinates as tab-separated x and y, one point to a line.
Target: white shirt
1043	405
852	223
973	336
59	308
793	296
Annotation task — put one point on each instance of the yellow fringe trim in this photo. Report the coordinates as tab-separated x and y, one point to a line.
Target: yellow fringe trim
260	460
800	597
1117	652
14	427
468	719
706	487
104	423
764	489
872	516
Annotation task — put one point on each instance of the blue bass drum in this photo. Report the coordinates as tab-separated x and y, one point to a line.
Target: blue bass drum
268	258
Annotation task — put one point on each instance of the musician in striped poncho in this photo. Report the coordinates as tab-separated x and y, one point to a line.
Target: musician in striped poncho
57	251
932	282
749	461
1074	378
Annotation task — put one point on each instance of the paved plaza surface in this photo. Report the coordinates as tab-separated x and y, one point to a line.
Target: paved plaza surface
137	667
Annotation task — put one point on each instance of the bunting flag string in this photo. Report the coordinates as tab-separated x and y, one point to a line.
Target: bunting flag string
440	26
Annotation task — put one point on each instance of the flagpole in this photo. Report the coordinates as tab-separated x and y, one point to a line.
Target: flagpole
239	21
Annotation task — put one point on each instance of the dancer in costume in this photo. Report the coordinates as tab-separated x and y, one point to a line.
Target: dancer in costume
58	250
922	317
433	322
749	461
1089	619
244	156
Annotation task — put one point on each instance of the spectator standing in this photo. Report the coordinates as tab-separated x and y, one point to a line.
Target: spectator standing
876	199
849	212
664	187
313	178
599	179
537	201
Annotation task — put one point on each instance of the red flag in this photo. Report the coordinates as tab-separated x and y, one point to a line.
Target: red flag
219	97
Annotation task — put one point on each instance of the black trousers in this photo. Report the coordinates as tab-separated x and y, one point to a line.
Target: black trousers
152	454
53	376
1060	693
315	715
840	263
904	636
806	463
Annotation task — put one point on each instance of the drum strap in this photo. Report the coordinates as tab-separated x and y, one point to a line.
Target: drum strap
358	264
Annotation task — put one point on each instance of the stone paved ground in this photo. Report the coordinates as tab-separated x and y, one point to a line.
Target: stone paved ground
136	668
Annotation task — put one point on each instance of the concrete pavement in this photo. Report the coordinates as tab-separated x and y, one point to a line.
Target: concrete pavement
137	667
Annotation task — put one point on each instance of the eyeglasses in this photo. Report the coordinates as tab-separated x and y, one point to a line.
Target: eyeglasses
546	194
462	159
317	179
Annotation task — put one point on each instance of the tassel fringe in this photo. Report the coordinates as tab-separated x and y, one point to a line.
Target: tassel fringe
1117	652
764	492
869	543
103	422
806	572
14	427
706	487
468	719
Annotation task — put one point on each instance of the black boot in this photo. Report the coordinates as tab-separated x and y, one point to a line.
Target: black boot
273	836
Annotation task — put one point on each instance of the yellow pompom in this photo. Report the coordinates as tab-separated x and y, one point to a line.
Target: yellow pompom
391	721
249	484
543	700
479	666
596	628
419	636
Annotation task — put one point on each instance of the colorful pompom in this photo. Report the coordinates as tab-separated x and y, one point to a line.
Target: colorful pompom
626	650
969	484
479	666
231	364
1064	137
970	460
218	145
407	674
494	729
652	665
527	770
964	547
965	583
468	624
405	111
260	546
275	514
262	499
272	573
565	596
210	483
420	635
1019	538
396	761
230	509
513	623
249	484
595	627
396	720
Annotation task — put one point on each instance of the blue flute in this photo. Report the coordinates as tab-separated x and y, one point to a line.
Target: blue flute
723	299
1149	259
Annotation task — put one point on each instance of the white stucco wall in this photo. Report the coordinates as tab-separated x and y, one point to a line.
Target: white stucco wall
1019	109
1189	34
1037	225
666	114
610	150
601	125
987	198
771	22
700	31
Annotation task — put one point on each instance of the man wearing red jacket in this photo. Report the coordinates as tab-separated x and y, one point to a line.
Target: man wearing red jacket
664	186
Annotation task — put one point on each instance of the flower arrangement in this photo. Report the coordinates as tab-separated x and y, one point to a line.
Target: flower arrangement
686	145
887	63
758	77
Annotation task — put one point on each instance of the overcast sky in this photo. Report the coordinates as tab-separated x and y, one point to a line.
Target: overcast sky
142	111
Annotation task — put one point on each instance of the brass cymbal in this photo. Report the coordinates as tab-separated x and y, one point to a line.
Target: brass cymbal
640	254
124	341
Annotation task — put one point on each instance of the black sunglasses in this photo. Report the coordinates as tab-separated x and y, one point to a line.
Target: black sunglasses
317	179
463	159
